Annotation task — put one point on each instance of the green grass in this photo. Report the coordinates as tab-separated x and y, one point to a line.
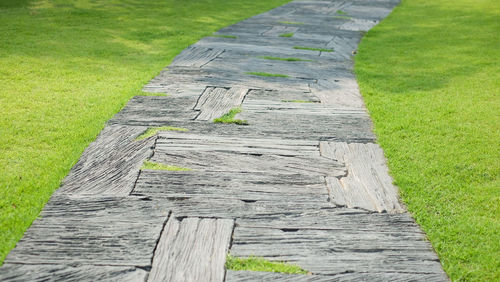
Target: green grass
430	76
261	264
298	101
224	36
284	59
153	130
159	166
67	67
290	34
229	117
294	23
312	49
267	74
340	12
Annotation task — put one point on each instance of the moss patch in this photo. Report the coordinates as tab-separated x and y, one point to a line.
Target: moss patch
267	74
261	264
159	166
154	130
312	49
229	117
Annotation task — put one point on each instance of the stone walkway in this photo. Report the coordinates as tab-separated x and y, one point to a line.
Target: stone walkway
303	182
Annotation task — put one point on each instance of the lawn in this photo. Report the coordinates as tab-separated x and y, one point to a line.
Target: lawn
430	76
66	67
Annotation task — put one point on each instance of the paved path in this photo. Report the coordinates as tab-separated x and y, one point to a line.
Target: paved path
303	182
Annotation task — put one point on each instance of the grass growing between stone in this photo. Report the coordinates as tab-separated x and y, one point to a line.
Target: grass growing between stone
224	36
267	74
290	34
284	59
430	76
293	23
160	166
67	67
261	264
154	130
312	49
229	117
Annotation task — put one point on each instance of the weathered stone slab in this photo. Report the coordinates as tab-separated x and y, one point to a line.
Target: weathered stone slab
359	24
244	186
243	208
271	276
339	93
62	272
196	57
217	101
110	165
192	249
280	29
309	69
366	249
144	110
242	154
367	183
177	77
92	231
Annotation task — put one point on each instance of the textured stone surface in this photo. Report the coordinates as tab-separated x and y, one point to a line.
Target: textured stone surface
303	182
192	249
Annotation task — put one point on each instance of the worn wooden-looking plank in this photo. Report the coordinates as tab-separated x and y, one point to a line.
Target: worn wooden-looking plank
237	276
359	24
144	110
216	101
280	29
336	251
367	184
256	187
339	93
93	230
193	249
64	272
196	56
241	154
110	165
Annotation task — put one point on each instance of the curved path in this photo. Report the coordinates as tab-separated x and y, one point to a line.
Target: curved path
303	182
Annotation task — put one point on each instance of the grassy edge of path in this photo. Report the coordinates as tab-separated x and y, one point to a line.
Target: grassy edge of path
429	74
67	67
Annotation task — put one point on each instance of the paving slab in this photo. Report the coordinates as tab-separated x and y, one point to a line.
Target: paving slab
303	182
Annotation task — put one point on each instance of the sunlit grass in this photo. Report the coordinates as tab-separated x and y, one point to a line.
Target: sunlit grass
430	76
312	49
229	117
261	264
159	166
